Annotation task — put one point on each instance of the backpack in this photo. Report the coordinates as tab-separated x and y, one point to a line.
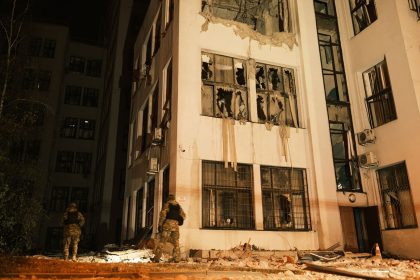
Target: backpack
174	213
72	218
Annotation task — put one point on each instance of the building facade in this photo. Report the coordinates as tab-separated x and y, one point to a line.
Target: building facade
67	77
287	123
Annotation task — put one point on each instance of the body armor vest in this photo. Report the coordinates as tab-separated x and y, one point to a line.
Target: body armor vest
72	218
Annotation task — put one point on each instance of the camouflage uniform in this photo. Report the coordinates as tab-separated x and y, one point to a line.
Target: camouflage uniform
169	230
73	220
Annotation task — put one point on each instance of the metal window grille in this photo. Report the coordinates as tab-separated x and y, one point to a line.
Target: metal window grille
227	196
379	98
397	202
285	199
415	6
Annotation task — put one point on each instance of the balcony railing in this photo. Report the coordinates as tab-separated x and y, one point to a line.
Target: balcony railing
415	6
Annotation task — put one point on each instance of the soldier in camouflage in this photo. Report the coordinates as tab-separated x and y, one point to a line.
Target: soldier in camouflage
171	217
73	220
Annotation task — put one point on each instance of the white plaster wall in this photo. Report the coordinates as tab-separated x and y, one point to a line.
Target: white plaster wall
393	35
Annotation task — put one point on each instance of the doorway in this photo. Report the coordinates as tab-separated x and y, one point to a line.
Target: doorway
361	228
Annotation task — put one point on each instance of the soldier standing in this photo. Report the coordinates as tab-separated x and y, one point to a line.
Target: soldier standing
73	220
170	218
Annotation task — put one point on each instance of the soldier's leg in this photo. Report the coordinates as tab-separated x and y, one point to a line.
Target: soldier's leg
175	242
164	237
66	242
76	240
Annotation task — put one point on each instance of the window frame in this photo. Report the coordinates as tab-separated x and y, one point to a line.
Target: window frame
270	93
229	222
397	188
234	87
361	5
389	113
290	190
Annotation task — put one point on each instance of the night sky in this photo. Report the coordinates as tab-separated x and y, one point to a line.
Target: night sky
84	17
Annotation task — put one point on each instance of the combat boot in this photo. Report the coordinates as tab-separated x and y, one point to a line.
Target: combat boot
66	257
74	258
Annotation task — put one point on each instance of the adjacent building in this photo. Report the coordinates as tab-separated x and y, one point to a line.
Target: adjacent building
288	123
67	77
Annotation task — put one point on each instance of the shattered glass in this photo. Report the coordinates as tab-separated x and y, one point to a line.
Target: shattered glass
264	16
262	107
207	67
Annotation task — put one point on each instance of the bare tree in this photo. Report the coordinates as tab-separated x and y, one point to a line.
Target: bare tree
11	28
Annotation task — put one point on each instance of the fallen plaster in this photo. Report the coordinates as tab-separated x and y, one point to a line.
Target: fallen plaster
243	30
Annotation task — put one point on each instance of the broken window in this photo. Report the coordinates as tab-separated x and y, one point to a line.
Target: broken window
397	202
227	196
224	92
139	210
379	99
264	16
363	13
285	198
276	95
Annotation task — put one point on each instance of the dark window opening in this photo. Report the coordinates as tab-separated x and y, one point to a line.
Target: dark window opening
59	199
168	95
79	195
227	196
139	210
145	135
285	199
224	92
150	203
90	97
157	32
397	201
77	64
363	13
64	161
49	48
54	239
264	16
276	95
165	185
82	163
379	99
154	113
44	80
35	45
73	95
94	67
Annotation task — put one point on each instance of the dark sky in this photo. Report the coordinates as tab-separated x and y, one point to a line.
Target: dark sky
84	17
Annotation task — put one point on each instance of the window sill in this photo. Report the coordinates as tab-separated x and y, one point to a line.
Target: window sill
404	228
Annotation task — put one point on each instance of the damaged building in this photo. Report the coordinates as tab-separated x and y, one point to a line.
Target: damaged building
284	123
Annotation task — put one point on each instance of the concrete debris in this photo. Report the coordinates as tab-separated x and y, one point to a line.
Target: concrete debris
245	31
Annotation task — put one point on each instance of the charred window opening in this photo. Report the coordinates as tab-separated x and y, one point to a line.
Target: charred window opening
285	199
363	13
227	196
397	199
379	99
264	16
224	92
276	95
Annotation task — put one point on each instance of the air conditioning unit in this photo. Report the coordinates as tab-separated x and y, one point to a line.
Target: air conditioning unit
157	136
153	167
368	160
366	136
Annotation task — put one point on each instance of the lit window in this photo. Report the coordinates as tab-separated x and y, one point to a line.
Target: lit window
86	129
379	99
363	13
69	128
224	91
285	198
276	95
397	201
227	196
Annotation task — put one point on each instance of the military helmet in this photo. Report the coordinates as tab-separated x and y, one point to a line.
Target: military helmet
171	197
72	205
